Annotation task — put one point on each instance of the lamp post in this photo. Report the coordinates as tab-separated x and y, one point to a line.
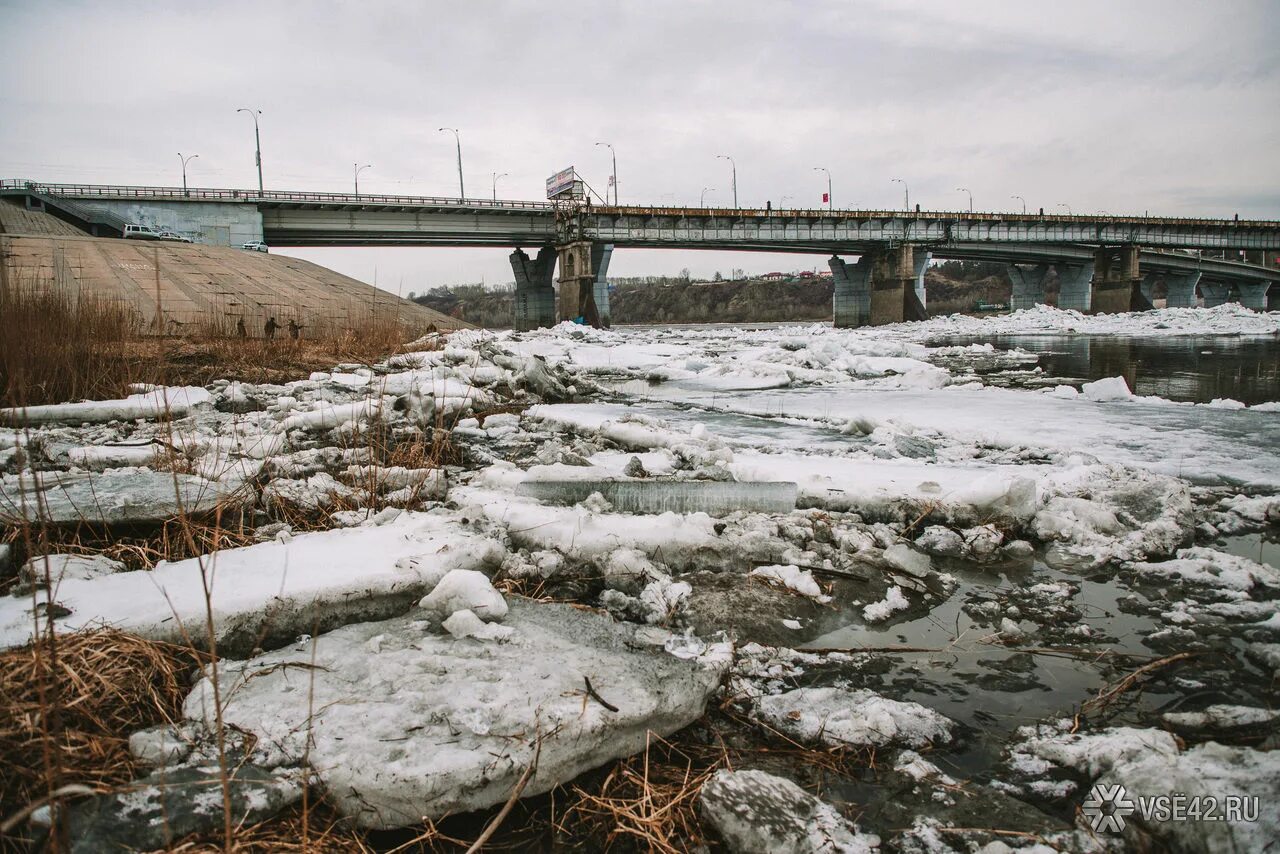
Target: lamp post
185	160
965	190
614	155
906	193
735	176
257	142
782	204
1067	206
830	198
1024	202
462	193
496	176
355	173
702	201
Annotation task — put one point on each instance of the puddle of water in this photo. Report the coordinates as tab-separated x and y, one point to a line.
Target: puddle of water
993	689
1189	368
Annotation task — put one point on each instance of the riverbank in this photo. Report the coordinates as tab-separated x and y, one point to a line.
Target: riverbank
493	565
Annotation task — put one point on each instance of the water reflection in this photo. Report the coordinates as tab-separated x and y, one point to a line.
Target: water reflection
1196	369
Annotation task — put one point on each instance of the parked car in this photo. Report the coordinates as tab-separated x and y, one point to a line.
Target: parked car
173	236
140	232
254	246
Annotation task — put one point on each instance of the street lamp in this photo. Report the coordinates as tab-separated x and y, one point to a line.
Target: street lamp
1067	206
1024	202
830	197
257	141
185	160
496	176
735	176
965	190
702	202
782	205
462	193
906	193
614	155
356	169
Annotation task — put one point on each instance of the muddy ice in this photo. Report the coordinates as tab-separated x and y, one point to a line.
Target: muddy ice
1000	588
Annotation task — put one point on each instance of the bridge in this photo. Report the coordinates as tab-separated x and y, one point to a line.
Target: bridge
1103	263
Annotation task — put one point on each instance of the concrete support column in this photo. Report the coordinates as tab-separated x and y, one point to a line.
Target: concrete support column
1144	296
1028	285
918	308
577	284
885	286
600	255
1074	287
1115	279
851	292
1181	289
535	304
892	279
1215	293
1253	294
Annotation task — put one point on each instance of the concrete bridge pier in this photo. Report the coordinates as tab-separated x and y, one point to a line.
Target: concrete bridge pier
1115	279
1181	289
577	284
918	309
535	304
1028	285
1075	291
1253	294
851	292
1144	296
600	255
893	295
1215	293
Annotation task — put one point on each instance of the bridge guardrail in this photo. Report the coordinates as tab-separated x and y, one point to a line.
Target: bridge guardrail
234	195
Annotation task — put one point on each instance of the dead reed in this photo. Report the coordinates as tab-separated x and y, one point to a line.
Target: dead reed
109	684
59	344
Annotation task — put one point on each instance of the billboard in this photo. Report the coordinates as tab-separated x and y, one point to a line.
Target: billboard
560	182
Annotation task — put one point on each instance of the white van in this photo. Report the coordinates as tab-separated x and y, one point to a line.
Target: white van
140	232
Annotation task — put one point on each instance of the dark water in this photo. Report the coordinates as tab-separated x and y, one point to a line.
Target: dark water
1189	368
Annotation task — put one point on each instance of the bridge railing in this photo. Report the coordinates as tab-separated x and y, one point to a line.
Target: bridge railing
110	191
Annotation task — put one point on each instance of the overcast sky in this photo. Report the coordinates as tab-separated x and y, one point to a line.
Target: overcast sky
1168	106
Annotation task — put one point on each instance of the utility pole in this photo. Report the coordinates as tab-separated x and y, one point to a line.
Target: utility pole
185	160
964	190
257	142
462	193
1024	202
735	175
355	167
496	176
614	155
830	197
906	193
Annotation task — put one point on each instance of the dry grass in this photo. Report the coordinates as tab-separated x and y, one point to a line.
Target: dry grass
55	346
72	725
171	540
59	346
649	801
319	831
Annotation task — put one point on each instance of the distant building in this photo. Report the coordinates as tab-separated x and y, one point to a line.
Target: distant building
774	277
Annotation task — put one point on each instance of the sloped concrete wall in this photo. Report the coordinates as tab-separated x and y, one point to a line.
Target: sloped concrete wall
206	285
